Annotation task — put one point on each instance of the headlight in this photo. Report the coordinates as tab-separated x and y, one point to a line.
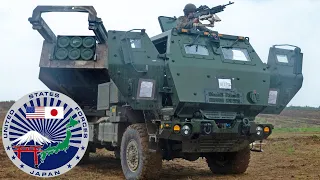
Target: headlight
259	130
186	130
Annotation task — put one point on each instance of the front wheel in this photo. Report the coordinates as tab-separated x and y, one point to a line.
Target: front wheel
229	162
136	160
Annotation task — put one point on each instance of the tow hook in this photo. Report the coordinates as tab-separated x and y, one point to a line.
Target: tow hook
257	146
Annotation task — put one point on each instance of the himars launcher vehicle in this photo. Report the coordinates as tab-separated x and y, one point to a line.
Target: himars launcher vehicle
181	94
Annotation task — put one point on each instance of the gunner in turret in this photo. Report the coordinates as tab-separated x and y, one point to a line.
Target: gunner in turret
187	22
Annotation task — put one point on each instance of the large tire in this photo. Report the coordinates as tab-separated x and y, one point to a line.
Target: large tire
140	163
232	163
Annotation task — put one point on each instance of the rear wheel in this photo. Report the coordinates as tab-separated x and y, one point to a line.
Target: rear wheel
229	162
136	160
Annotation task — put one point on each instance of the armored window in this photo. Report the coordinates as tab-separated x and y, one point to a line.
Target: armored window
135	43
282	58
236	54
196	49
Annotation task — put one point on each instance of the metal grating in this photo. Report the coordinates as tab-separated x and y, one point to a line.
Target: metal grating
219	115
209	144
223	97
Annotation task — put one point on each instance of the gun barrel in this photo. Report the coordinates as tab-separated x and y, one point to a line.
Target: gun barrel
205	10
229	3
223	6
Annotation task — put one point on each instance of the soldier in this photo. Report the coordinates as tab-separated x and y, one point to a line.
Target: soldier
186	22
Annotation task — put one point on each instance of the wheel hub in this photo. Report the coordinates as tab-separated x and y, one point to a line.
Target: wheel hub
221	160
132	155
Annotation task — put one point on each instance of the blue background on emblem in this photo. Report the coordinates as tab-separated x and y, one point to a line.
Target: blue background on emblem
51	129
52	161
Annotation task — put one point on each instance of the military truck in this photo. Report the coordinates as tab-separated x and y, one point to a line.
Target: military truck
183	93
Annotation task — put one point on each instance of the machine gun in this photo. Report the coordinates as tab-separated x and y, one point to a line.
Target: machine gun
205	13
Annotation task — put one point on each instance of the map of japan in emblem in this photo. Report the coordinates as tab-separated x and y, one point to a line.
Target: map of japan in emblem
45	134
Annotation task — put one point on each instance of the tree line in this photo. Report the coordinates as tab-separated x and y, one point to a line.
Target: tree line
302	108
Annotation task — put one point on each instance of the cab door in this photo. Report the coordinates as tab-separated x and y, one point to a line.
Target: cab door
135	68
286	77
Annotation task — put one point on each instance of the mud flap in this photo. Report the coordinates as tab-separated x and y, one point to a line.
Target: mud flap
153	144
286	77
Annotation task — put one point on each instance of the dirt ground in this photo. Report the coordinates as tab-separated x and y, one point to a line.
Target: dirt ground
285	156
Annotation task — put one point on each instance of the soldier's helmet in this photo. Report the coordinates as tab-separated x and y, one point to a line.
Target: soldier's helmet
188	8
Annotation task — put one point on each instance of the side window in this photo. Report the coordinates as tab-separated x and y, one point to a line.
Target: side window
196	49
135	43
282	58
237	54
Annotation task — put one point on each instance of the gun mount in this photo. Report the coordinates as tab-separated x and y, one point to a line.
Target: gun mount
205	13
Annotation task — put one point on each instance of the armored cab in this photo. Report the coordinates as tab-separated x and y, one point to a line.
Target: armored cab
184	93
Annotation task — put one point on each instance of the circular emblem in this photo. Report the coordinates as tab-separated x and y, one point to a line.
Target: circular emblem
45	133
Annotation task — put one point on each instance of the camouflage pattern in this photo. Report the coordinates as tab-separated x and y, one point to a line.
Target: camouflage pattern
184	22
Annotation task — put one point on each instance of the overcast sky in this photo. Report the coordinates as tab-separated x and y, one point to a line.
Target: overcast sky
266	22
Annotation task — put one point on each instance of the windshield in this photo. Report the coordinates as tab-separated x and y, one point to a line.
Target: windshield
236	54
196	49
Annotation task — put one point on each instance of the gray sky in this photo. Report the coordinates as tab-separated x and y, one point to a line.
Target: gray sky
266	22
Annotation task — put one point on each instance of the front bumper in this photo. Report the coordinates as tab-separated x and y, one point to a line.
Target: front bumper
206	136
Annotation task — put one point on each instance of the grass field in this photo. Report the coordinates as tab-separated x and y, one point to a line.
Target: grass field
291	152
